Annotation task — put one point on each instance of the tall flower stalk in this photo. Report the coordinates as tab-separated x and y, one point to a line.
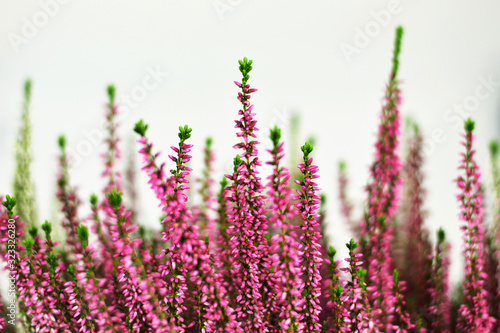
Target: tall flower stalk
188	268
493	242
23	184
68	199
248	224
383	195
440	305
284	243
473	313
417	248
311	260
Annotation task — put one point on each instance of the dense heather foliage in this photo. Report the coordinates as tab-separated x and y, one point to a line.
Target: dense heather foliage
252	256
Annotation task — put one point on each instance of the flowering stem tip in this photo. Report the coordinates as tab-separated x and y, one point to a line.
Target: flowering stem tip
397	51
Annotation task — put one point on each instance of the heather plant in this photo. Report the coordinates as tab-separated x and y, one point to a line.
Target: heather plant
253	255
23	187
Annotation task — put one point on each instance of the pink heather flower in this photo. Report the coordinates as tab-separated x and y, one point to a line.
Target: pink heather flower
383	195
492	240
40	289
248	224
2	316
440	306
311	256
346	206
473	313
338	316
402	323
113	152
68	199
187	265
284	244
204	216
417	248
78	308
325	272
129	284
355	296
223	250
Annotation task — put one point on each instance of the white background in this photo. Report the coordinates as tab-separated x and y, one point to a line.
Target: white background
299	66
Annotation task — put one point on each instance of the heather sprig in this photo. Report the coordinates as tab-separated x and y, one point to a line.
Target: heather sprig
207	206
113	152
284	244
311	260
68	199
493	240
416	247
440	305
383	197
355	292
346	206
190	275
339	314
248	222
473	313
23	186
402	320
79	308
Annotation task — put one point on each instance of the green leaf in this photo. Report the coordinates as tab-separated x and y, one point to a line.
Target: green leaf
141	128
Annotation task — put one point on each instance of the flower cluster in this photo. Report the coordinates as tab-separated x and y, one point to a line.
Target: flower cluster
253	256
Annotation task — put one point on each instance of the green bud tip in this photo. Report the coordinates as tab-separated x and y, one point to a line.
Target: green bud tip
83	234
111	93
141	128
397	51
184	132
9	202
441	235
307	148
237	161
208	142
27	90
395	276
47	228
411	125
275	135
93	199
61	141
28	243
142	231
469	125
245	68
342	166
71	270
114	197
332	252
493	148
322	198
33	231
352	245
51	258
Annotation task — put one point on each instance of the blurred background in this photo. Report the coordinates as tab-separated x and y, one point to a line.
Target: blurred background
174	63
